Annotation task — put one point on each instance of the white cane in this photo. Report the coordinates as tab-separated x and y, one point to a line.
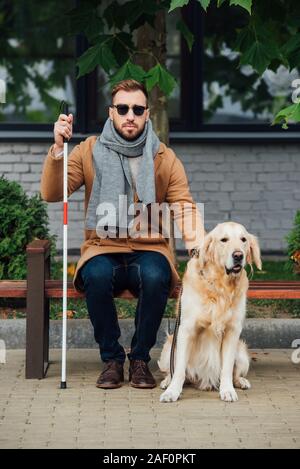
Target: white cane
63	384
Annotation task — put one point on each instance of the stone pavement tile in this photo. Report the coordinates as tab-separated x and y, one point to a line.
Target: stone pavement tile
197	443
70	432
172	443
8	444
61	445
13	429
89	423
121	444
255	443
91	445
274	431
146	444
88	437
226	445
145	436
283	442
36	445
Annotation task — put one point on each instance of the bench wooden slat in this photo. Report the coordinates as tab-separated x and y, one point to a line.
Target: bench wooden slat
274	287
257	289
275	294
54	290
13	288
269	290
275	283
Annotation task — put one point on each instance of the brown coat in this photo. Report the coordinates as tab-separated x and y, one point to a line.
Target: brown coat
171	186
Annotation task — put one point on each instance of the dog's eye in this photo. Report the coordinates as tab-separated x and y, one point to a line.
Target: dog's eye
243	239
224	240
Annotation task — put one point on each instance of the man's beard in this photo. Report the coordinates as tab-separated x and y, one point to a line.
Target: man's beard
129	139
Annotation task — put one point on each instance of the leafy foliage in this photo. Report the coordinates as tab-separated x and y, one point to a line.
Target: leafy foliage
34	52
257	46
247	4
159	74
22	219
267	36
293	240
113	48
266	39
187	34
290	113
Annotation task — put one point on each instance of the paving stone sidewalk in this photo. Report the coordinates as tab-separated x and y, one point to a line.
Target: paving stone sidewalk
38	414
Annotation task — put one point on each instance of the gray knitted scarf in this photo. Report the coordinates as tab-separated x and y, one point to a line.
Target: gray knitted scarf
113	176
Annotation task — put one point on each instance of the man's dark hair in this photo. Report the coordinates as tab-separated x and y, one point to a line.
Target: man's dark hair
129	85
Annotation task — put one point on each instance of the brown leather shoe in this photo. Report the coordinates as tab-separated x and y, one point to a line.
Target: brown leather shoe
112	375
140	376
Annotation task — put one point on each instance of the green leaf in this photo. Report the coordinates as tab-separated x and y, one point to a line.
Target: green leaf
94	28
187	34
152	77
177	4
204	4
244	39
139	12
133	11
166	81
79	18
247	4
291	51
258	46
159	75
257	56
150	8
290	113
84	19
128	70
114	15
99	54
220	2
122	46
292	44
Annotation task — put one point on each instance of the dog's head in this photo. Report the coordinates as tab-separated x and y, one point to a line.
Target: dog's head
230	246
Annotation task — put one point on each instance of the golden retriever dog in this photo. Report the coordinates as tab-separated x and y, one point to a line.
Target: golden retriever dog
209	352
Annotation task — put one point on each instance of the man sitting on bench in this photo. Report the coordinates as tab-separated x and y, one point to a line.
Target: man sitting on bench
126	162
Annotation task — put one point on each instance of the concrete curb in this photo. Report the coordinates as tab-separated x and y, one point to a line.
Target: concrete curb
258	333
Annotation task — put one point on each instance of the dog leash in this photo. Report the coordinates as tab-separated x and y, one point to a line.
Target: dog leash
194	253
174	341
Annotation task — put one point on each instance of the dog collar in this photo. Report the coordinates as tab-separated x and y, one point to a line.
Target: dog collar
195	252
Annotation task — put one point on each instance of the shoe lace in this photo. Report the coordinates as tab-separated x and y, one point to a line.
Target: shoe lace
109	365
141	366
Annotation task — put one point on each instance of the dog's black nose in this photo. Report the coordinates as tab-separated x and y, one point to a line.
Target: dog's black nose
237	256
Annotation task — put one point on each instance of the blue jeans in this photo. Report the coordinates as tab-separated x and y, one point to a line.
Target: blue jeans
147	274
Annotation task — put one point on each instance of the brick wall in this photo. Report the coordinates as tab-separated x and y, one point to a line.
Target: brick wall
257	185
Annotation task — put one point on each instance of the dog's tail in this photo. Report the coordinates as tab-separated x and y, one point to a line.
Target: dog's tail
164	360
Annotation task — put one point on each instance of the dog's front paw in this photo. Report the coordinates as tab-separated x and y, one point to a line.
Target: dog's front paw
170	395
242	383
228	394
165	382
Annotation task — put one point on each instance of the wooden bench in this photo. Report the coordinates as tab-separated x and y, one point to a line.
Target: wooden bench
39	289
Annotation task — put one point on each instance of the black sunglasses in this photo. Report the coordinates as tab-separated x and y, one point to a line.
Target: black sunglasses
123	109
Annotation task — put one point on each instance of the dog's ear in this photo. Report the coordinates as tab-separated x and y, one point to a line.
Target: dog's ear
206	251
253	254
